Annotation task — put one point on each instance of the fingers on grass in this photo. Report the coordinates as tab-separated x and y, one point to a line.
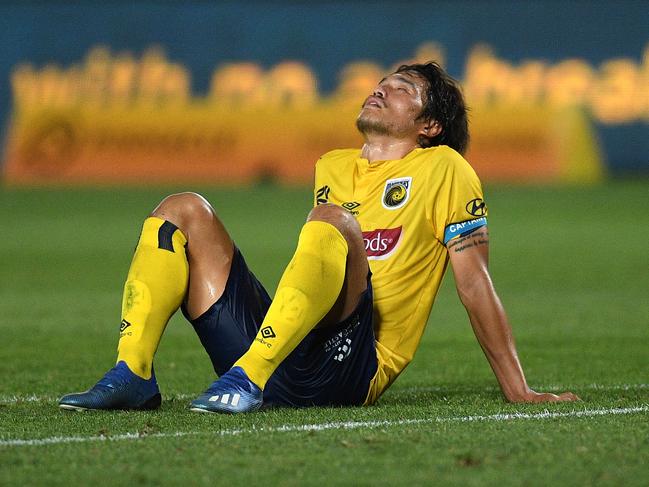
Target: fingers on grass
569	396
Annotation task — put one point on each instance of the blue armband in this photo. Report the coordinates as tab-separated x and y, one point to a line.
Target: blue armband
463	228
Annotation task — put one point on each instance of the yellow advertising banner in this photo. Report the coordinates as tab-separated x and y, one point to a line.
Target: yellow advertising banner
115	119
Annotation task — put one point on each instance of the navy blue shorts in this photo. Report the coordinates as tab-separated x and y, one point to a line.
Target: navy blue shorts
332	366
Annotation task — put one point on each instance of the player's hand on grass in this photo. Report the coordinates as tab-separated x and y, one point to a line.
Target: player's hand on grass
537	397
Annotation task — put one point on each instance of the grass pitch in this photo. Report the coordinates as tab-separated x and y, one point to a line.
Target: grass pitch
570	264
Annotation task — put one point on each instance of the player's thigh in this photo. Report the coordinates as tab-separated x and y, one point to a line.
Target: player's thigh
356	269
209	248
228	327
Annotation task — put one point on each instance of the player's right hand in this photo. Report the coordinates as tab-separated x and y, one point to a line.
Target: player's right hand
538	397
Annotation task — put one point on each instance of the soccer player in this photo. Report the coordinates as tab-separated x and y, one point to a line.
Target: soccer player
353	302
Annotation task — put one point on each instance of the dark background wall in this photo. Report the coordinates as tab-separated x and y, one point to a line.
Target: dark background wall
327	35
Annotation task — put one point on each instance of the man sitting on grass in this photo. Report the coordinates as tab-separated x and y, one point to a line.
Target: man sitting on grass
353	302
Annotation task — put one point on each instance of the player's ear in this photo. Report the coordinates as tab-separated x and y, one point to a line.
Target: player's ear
431	129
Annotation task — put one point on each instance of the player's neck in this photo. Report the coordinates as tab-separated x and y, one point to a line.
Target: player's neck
386	148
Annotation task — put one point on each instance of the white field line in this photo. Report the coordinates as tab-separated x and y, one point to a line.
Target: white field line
342	425
543	388
44	398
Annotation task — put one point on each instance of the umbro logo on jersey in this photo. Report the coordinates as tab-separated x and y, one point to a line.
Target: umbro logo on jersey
267	332
396	193
322	195
476	207
351	206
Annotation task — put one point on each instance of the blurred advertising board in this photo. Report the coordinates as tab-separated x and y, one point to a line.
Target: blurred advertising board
234	91
116	118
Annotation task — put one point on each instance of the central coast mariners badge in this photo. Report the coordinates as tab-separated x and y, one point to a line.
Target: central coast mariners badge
396	193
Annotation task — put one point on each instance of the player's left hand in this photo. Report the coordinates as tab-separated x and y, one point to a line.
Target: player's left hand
537	397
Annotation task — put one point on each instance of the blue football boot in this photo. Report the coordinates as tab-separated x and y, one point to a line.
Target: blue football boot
118	389
233	392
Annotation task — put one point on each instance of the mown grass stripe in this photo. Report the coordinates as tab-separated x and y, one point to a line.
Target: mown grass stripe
345	425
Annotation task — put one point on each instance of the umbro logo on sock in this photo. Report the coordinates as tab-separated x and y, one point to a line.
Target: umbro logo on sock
267	332
123	326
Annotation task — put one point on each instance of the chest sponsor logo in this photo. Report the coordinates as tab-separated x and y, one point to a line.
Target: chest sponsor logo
381	243
322	195
396	193
476	207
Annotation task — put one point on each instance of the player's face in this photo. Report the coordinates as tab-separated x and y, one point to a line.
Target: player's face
394	106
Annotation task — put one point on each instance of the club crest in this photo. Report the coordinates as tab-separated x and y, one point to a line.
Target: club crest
396	193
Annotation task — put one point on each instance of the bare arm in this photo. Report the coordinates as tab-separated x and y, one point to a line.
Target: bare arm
469	258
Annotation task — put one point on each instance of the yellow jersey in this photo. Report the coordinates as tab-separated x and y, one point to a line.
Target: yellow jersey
408	210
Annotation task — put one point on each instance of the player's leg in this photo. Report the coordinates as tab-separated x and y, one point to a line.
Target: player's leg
321	286
182	233
207	251
356	266
209	248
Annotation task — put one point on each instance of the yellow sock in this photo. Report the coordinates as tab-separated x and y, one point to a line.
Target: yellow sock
154	289
308	289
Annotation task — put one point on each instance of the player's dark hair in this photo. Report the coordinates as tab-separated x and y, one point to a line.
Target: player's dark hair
443	103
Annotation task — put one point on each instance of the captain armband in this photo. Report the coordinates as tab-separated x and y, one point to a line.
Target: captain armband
462	229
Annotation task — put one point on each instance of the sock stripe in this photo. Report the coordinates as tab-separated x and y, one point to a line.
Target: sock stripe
165	234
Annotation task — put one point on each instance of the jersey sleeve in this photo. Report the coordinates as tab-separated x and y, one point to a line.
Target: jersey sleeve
458	207
317	183
320	189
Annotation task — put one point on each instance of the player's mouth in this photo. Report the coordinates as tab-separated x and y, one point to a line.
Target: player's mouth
373	101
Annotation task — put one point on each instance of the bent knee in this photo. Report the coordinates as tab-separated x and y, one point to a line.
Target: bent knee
183	208
338	217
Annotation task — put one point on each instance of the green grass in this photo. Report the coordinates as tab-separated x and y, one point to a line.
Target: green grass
570	264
